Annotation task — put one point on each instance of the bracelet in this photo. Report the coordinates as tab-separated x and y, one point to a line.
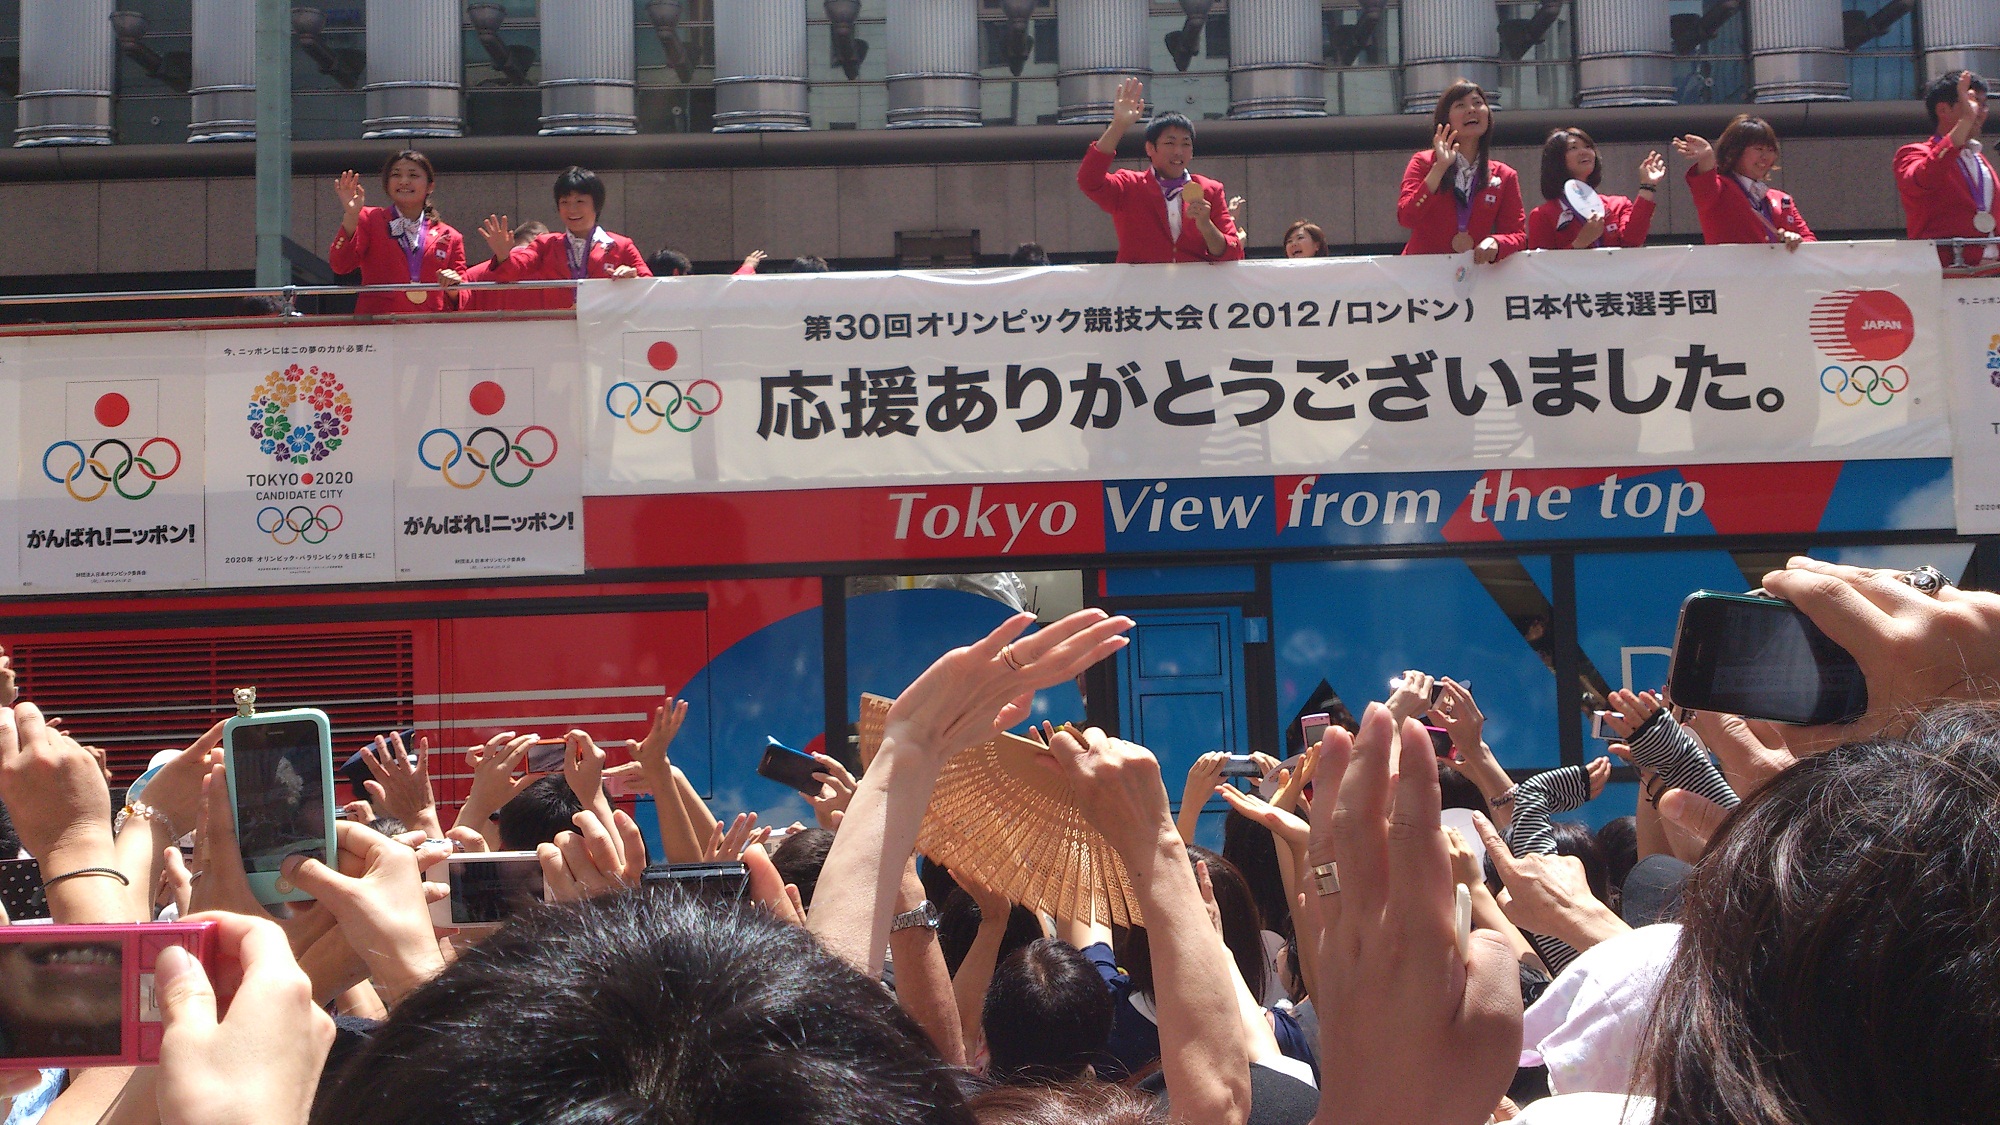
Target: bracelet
145	812
1506	798
108	872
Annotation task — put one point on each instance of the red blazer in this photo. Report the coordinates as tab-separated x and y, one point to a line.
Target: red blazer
1132	198
382	261
1432	217
1937	200
505	300
1626	222
1726	214
547	259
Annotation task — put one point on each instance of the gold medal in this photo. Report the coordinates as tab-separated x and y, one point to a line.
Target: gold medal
418	296
1461	242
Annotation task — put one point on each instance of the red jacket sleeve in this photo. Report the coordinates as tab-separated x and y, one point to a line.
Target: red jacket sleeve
517	266
348	249
1926	164
1510	228
1542	227
1102	189
1416	199
1638	221
1218	213
627	252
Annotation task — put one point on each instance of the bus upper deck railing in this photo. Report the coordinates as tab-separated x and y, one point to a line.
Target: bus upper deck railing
287	297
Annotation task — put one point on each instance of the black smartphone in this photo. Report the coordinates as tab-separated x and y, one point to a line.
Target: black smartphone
547	755
355	768
710	882
21	890
1760	657
1241	765
1440	741
787	766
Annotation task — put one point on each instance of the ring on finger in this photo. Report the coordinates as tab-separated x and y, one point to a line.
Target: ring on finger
1007	654
1925	579
1326	876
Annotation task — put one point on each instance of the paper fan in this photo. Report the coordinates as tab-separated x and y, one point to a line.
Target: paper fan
874	716
1014	825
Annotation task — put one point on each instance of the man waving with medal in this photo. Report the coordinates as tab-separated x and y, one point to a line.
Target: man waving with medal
1166	213
1947	183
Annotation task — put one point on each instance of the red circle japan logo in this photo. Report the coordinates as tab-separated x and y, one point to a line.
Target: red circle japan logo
1858	325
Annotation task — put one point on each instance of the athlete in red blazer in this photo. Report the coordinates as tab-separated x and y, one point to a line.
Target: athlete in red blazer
1570	154
581	250
1455	200
1137	201
1946	184
1731	210
398	244
507	300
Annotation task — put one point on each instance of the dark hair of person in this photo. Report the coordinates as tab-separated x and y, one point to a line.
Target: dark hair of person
1839	938
389	826
1166	121
1742	133
538	814
259	304
1458	791
1242	928
1620	841
1047	1014
1066	1103
958	926
1576	839
1455	93
670	263
581	181
421	161
1313	232
810	263
646	1006
1251	847
800	857
1028	254
1944	91
1555	162
528	232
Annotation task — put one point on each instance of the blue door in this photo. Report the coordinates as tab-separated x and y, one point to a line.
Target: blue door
1180	694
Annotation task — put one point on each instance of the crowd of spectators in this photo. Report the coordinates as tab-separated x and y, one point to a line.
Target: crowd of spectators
1794	925
1455	199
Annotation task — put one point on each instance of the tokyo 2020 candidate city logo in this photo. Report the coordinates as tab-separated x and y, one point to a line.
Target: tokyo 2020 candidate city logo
1861	330
663	399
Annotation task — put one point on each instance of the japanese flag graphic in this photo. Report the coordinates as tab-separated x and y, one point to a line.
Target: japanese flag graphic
470	399
663	383
119	408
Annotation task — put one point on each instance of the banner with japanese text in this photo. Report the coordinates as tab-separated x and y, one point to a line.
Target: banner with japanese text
10	455
1671	355
490	476
1972	310
110	462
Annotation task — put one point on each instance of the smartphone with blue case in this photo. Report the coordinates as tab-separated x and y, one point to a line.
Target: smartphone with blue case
280	766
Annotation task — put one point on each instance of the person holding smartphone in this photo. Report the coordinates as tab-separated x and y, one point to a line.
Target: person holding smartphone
1732	194
403	243
1456	198
1569	154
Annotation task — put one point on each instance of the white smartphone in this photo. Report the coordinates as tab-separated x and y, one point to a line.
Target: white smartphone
487	888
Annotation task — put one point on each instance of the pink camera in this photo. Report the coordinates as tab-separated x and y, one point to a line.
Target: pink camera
82	996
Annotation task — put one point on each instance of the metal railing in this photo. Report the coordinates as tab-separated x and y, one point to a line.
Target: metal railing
1959	267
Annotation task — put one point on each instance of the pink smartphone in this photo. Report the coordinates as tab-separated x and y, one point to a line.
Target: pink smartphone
82	996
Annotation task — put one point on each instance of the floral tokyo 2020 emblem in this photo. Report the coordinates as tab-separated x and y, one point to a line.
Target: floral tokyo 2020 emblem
300	415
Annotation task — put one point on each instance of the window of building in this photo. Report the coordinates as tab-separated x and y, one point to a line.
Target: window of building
151	105
1007	98
676	67
1884	66
10	66
1710	66
503	65
327	102
1364	55
1537	57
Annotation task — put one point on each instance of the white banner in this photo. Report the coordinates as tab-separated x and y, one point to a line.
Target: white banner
302	456
10	459
1972	309
490	477
1673	355
110	455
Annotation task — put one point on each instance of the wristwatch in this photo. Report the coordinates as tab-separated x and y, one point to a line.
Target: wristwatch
924	915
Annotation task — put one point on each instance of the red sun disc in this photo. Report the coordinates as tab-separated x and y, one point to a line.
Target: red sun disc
487	397
662	355
112	410
1878	325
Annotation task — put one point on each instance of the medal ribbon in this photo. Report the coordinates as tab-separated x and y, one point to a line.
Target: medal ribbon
414	255
1760	208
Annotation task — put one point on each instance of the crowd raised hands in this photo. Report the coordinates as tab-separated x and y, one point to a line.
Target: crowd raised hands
1823	955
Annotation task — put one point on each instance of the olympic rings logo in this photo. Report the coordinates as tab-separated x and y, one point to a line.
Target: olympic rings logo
299	524
110	475
1864	383
515	451
649	403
